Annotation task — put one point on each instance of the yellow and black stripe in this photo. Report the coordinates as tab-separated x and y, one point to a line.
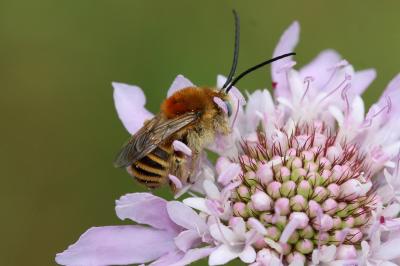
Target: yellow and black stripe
152	169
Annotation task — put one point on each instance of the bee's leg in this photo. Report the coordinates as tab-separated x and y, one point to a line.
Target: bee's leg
193	166
178	168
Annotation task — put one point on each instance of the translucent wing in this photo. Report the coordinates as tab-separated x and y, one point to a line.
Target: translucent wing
152	134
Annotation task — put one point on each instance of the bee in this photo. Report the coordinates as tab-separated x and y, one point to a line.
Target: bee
192	115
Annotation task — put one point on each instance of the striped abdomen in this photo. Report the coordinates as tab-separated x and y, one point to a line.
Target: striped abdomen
152	170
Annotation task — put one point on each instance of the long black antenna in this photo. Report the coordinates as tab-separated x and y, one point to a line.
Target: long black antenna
244	73
235	51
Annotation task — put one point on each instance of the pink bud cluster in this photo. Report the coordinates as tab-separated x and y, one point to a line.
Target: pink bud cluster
306	189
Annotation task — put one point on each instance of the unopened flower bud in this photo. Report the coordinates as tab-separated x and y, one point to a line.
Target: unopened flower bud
284	174
311	167
296	163
273	189
293	238
298	203
320	194
337	222
265	174
313	209
354	236
304	189
307	232
307	156
329	206
243	192
261	201
298	174
280	222
250	178
305	246
321	238
334	190
288	189
273	233
282	206
239	209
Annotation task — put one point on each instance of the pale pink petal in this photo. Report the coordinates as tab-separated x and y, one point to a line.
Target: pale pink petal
168	259
319	67
221	79
388	250
145	208
129	101
179	83
392	87
248	255
222	233
194	255
235	92
185	216
222	255
197	203
187	239
286	44
361	80
239	227
211	190
117	245
229	173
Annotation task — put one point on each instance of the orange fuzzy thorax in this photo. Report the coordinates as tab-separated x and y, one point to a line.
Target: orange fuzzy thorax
191	99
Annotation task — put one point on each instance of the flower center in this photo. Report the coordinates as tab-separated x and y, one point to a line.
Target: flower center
306	189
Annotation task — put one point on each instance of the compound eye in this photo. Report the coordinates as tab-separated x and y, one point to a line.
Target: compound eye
228	107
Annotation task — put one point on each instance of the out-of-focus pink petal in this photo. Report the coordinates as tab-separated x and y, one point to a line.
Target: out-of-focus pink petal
222	255
319	67
194	255
392	87
185	216
231	171
361	80
222	233
389	250
129	101
145	208
180	82
248	255
117	245
197	203
286	44
168	259
211	190
187	239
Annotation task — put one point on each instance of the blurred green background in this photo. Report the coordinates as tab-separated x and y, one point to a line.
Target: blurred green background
59	129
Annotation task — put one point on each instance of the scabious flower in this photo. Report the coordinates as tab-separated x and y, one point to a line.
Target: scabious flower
306	177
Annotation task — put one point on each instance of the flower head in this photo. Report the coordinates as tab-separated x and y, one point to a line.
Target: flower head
306	177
